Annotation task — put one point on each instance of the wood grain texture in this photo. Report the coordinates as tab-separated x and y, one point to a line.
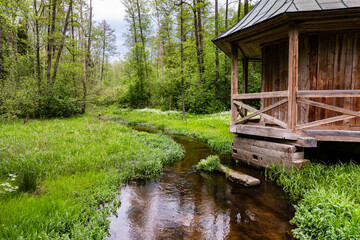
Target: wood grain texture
234	80
293	73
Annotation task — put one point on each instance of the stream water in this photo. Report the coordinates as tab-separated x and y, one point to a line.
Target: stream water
186	204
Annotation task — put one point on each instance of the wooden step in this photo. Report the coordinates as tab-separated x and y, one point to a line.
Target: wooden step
239	177
265	153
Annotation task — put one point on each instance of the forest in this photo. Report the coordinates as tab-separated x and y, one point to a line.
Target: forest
81	124
56	61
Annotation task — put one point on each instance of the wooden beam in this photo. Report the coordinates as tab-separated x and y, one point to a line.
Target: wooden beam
282	147
265	116
278	94
327	93
263	131
244	119
324	121
234	80
334	135
245	78
293	73
330	107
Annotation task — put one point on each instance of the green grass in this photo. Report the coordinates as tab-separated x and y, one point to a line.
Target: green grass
327	200
210	164
212	129
66	169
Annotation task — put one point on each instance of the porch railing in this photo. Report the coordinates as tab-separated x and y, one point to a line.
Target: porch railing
303	97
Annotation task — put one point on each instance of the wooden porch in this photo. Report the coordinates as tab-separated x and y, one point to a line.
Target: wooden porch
303	112
310	86
251	121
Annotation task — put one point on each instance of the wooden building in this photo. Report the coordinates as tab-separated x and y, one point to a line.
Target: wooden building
310	91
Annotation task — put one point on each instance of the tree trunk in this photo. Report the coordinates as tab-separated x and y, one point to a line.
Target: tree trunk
84	82
239	11
198	52
103	56
62	43
225	57
89	41
160	47
216	34
73	50
246	7
143	45
2	75
43	37
182	58
37	47
200	31
11	54
51	40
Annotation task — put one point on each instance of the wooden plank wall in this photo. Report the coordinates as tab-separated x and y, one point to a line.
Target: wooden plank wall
327	61
338	67
275	76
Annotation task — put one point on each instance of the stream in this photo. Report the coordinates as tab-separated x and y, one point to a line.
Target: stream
184	203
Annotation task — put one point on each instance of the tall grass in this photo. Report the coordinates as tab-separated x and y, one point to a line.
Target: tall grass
327	200
66	168
212	129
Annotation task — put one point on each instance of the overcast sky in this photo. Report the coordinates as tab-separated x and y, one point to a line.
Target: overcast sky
113	12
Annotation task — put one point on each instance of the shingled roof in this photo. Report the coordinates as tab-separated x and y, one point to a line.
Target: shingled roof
268	9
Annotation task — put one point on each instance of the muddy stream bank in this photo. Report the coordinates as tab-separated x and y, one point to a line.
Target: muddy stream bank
186	204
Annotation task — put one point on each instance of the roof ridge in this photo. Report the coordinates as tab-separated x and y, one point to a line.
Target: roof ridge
344	3
265	10
278	8
319	4
247	16
264	13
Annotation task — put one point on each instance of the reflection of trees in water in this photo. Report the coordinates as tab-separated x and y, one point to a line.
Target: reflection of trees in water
185	204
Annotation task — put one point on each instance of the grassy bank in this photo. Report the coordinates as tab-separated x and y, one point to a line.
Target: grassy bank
326	197
212	129
327	200
65	169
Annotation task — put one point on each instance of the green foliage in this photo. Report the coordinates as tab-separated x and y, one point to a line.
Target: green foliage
136	95
200	100
210	164
66	168
327	200
212	129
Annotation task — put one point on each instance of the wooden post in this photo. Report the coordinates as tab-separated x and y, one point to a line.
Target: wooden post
293	73
245	77
234	81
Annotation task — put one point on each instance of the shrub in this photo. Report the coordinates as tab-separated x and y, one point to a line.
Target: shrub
210	164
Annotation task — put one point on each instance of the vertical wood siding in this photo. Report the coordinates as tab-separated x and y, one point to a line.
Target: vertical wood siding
327	61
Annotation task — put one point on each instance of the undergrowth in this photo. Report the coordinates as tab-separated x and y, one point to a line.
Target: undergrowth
327	200
212	129
66	169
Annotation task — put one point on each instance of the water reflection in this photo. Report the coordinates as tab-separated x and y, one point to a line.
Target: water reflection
186	204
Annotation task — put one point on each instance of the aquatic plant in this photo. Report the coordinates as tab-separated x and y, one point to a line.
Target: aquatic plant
210	164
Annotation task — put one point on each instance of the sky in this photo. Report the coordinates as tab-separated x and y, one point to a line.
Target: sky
113	11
